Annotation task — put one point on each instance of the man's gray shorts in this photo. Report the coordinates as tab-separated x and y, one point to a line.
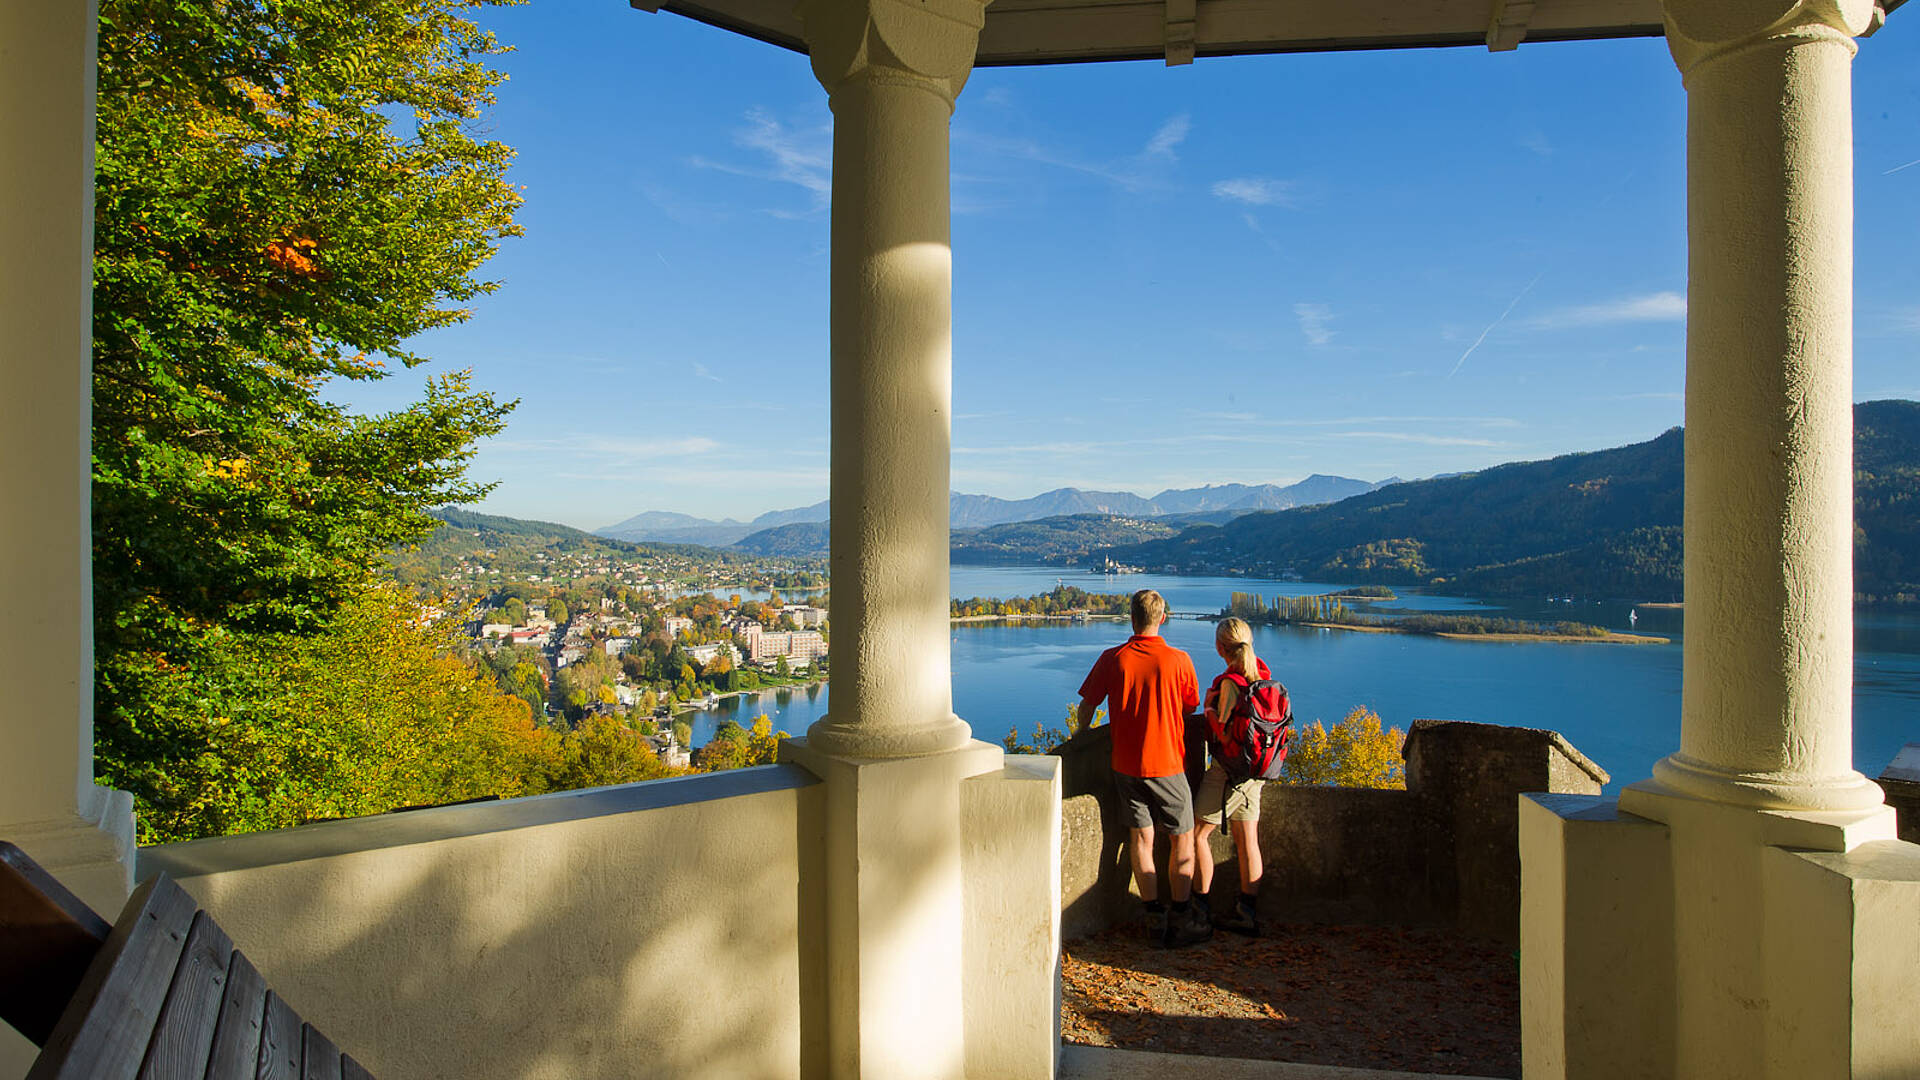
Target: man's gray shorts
1163	801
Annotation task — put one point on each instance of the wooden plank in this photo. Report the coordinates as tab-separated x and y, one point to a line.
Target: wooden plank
321	1059
47	939
353	1070
236	1042
103	1033
183	1036
279	1042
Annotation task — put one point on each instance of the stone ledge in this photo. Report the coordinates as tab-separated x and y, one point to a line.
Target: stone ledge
223	854
1105	1063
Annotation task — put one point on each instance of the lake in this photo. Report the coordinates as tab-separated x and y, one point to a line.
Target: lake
1619	704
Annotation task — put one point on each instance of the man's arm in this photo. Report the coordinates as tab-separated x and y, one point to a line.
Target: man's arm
1088	705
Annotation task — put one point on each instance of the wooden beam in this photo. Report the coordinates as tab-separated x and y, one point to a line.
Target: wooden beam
1180	17
1507	26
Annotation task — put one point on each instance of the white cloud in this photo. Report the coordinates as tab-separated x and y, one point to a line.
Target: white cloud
803	158
1907	319
1138	172
700	369
1537	142
1168	138
1411	437
609	446
1666	306
1255	191
1313	322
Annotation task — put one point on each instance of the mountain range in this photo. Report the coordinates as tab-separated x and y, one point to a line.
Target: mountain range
981	511
1605	523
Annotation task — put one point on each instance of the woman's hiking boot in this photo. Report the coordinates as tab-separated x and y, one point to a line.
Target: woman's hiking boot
1243	919
1187	925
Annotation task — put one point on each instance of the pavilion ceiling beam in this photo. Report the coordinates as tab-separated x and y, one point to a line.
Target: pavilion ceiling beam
1180	16
1507	26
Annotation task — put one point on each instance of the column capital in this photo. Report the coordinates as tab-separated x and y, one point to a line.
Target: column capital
1699	30
929	44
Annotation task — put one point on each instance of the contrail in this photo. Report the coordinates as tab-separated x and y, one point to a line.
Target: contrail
1494	323
1897	168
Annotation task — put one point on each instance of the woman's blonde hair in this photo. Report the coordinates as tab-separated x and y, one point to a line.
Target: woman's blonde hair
1236	637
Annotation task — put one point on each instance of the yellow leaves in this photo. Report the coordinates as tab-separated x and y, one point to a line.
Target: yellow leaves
229	468
294	254
1356	752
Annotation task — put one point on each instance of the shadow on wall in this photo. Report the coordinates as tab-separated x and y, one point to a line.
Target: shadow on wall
1444	852
671	930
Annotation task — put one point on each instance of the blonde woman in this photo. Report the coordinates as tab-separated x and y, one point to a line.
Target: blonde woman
1224	798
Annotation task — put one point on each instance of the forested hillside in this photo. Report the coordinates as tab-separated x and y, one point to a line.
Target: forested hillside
1056	539
1595	524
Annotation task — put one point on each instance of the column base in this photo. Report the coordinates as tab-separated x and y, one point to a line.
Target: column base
1762	935
1011	861
857	740
1848	791
92	852
1596	941
895	896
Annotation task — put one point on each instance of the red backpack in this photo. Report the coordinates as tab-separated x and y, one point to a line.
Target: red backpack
1252	742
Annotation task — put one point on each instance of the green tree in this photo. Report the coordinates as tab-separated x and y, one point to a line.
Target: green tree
285	192
557	611
270	730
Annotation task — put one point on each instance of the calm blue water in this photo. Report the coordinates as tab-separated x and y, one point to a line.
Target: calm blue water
1620	704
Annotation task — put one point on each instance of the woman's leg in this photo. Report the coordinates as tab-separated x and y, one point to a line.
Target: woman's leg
1203	859
1246	847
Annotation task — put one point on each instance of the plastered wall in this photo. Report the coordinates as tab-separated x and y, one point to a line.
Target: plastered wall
650	929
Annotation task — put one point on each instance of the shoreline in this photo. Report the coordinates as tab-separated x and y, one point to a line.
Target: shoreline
958	619
1610	638
689	707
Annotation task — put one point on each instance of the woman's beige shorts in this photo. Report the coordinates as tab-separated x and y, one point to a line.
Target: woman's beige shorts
1218	801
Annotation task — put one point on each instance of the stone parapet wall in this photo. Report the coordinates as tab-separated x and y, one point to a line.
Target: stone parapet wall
1443	852
1901	782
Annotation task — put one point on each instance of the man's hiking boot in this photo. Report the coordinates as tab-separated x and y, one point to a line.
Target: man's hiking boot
1189	927
1153	919
1243	919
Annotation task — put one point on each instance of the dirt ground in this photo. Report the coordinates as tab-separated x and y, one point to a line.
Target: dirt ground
1358	996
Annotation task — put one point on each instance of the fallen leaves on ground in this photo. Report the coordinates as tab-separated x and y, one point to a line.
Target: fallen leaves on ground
1418	1000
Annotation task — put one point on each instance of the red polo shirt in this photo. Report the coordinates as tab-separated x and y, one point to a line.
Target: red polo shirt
1149	687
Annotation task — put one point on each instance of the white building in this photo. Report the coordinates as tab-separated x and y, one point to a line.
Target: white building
805	615
705	654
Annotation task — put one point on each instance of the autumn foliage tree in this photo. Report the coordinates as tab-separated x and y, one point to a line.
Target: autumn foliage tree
286	192
1356	752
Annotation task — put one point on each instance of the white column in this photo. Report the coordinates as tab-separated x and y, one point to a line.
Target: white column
49	804
892	71
1767	698
938	858
1764	770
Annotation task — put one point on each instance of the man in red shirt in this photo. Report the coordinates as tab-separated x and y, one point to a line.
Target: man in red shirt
1149	687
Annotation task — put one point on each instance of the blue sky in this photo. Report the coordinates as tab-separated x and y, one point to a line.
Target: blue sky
1248	269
